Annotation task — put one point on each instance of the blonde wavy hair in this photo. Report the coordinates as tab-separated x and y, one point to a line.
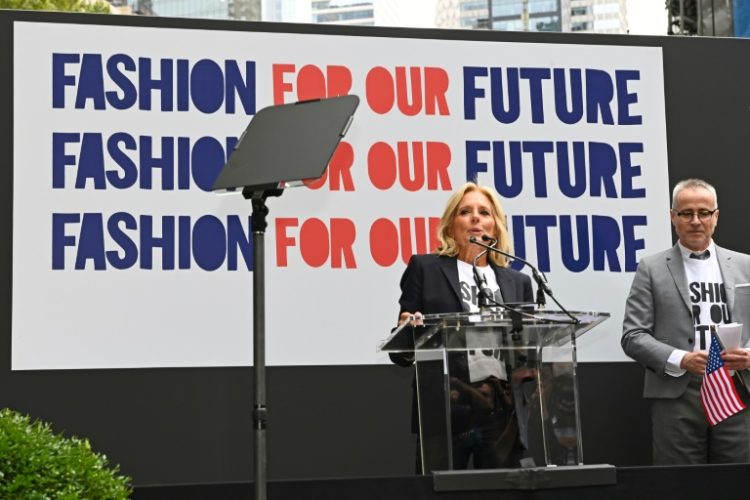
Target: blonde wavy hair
448	245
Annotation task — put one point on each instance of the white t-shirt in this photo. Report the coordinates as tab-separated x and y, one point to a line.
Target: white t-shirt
468	287
482	363
708	298
708	302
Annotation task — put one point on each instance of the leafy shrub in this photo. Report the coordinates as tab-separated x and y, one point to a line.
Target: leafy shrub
35	463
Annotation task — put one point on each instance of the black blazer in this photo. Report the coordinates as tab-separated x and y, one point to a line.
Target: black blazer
430	285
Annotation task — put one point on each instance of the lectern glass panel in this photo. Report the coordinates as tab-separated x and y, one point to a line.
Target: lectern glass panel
497	389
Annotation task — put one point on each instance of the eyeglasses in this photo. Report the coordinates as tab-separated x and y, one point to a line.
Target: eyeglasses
687	215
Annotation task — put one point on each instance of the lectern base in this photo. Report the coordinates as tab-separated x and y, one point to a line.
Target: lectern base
532	478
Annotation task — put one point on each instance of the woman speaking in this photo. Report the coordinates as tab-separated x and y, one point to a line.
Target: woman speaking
484	426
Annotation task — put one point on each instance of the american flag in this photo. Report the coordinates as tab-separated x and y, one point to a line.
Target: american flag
718	394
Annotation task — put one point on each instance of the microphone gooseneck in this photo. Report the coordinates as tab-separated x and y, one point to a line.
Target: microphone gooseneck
485	293
539	277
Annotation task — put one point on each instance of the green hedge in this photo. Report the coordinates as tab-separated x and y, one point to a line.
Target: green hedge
35	463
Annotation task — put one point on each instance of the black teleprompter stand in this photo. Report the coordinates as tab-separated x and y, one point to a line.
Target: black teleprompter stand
260	417
281	146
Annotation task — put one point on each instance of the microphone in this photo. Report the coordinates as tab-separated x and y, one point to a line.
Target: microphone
485	297
540	279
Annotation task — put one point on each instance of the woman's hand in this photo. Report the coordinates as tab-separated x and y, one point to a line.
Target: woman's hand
416	318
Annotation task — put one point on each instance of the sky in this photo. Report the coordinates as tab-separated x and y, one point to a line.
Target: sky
647	17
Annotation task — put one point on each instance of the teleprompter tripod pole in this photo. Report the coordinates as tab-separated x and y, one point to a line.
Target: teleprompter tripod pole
310	132
259	347
260	417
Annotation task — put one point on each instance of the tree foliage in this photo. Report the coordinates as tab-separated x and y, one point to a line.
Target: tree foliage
93	6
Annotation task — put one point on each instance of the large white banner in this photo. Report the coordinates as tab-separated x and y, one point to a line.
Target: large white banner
122	258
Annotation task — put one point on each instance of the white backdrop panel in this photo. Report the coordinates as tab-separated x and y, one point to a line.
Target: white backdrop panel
320	310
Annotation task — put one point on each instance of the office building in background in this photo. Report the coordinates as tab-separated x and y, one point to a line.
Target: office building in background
590	16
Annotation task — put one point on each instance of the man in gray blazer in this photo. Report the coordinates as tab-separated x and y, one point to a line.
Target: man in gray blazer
676	296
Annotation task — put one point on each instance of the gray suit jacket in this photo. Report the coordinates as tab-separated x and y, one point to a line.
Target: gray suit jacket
658	317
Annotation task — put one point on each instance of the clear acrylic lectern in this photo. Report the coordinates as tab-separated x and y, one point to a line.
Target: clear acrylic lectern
497	388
